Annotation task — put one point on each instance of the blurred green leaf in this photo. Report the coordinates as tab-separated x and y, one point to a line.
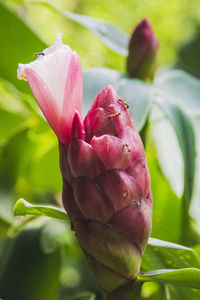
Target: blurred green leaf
23	208
10	123
178	87
137	93
15	101
45	175
185	136
14	156
18	43
26	272
189	277
166	224
168	153
161	255
112	36
54	234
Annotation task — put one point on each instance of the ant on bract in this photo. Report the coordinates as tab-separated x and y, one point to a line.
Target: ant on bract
38	54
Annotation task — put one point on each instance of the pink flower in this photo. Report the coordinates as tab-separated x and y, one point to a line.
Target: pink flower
55	78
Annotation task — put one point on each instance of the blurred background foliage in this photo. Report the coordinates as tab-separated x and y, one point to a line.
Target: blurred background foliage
39	256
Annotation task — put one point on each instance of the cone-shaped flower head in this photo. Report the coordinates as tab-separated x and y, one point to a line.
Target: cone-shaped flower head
143	52
106	190
55	78
106	184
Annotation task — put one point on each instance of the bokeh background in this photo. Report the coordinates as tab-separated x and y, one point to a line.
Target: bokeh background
39	257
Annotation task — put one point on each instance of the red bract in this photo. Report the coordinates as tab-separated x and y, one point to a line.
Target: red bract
106	184
106	190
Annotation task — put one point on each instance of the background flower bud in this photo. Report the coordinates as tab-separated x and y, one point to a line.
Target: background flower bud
143	52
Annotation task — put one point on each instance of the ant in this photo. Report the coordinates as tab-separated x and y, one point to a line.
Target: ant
38	54
114	115
123	102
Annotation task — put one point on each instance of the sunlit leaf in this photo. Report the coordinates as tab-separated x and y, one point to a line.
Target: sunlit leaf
188	277
113	37
23	207
161	255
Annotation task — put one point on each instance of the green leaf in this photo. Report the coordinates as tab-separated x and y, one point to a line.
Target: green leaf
113	37
178	87
18	43
189	277
186	140
165	224
161	255
23	208
13	163
138	94
168	154
181	293
195	205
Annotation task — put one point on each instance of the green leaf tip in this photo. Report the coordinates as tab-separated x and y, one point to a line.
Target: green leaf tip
187	277
22	208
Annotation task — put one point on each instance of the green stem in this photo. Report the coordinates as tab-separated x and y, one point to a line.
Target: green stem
132	292
189	233
184	220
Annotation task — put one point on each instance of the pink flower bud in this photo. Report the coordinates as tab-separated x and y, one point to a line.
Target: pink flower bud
107	195
55	78
143	52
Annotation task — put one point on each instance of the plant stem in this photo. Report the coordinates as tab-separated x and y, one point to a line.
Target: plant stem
132	292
